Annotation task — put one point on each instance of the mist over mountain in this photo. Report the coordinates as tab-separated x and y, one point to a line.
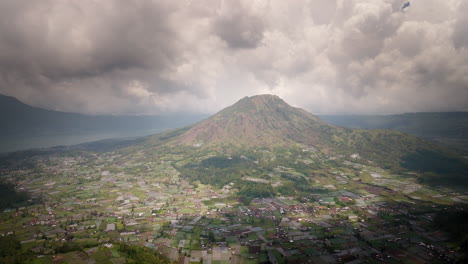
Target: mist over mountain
446	128
429	125
26	127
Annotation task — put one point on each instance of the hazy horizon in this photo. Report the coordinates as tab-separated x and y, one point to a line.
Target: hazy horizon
204	115
30	127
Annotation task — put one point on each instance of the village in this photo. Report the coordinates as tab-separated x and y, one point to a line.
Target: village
84	207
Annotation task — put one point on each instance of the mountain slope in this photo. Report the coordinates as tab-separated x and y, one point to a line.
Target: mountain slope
268	121
259	121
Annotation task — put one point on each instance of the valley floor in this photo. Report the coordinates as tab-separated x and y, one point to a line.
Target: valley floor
84	208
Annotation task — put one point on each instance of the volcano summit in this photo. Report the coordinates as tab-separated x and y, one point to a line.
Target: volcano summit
259	121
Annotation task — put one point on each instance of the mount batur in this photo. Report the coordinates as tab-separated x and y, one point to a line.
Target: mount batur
267	122
258	182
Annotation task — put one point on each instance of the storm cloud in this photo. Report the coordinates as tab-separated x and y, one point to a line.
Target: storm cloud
152	57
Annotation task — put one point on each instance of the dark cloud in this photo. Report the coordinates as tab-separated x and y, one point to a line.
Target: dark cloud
238	28
460	33
154	56
57	43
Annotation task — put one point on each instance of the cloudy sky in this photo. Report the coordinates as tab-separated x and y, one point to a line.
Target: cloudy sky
160	56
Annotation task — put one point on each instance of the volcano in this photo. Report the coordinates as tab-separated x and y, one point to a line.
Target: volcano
260	121
268	122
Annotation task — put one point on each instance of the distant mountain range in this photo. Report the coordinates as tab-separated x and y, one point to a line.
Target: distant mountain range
448	128
427	125
24	126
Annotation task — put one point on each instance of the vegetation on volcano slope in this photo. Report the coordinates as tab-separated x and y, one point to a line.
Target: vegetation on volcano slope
395	151
253	173
267	122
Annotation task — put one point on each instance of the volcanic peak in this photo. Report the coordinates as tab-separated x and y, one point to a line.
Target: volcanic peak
262	120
